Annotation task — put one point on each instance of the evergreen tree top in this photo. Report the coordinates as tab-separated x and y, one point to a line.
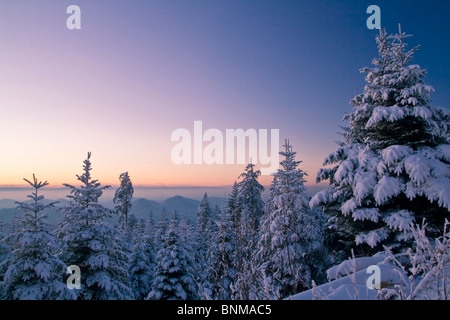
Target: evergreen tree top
90	190
393	166
289	177
36	206
249	182
33	272
395	98
126	189
289	162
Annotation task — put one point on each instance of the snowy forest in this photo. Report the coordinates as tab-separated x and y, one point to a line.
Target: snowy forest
387	201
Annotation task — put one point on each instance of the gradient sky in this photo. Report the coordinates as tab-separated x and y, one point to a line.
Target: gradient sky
138	70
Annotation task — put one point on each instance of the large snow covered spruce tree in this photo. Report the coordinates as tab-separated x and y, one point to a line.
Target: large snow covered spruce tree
393	166
34	273
93	244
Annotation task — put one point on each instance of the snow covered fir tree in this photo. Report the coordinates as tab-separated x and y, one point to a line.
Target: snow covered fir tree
33	271
123	196
386	204
174	272
91	243
5	254
204	235
249	210
223	255
392	168
290	249
142	260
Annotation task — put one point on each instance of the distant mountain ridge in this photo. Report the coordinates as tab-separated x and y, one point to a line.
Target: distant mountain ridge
141	208
185	207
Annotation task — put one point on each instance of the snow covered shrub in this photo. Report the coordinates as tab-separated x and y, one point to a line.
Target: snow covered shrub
427	264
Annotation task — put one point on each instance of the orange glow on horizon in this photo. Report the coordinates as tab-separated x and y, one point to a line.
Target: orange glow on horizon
180	176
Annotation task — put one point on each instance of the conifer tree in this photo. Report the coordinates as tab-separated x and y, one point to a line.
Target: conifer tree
122	206
129	232
250	209
150	229
290	249
34	273
5	255
161	230
123	196
250	202
203	243
232	210
223	257
204	218
93	244
142	260
392	169
174	278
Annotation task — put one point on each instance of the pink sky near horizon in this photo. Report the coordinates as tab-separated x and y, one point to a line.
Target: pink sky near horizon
138	70
65	93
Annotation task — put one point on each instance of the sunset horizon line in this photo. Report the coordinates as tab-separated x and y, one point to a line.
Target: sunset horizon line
61	186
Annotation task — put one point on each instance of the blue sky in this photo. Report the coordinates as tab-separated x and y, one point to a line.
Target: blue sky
137	70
